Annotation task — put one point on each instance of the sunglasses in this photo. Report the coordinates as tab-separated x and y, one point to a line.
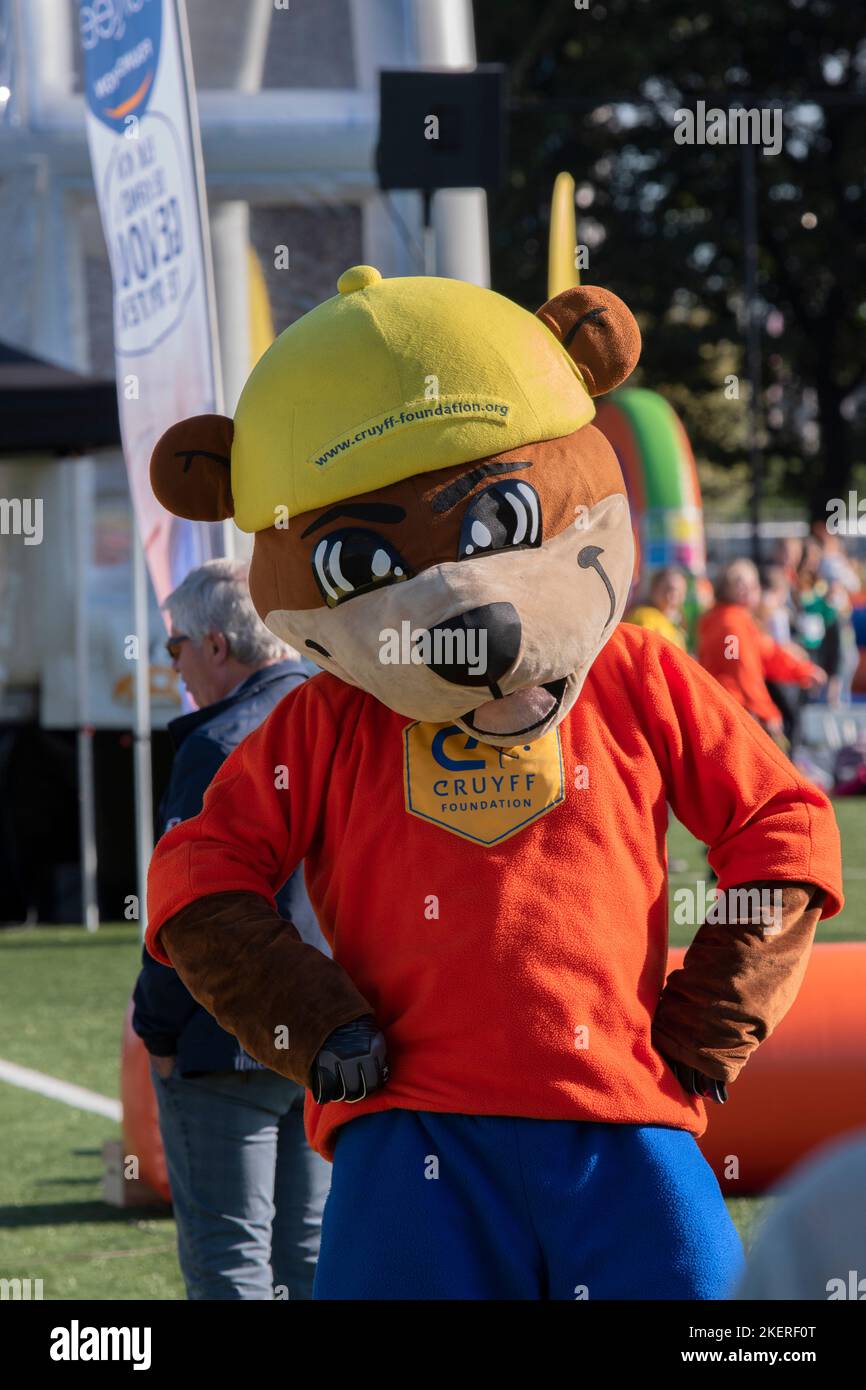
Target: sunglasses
174	644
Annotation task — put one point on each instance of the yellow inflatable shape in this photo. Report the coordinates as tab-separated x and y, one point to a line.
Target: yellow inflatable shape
261	323
562	273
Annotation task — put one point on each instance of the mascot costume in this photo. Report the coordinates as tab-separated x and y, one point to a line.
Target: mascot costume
478	784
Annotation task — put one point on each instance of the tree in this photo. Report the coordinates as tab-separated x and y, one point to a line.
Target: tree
596	91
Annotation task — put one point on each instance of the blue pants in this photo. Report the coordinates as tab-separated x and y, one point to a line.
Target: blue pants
247	1189
429	1206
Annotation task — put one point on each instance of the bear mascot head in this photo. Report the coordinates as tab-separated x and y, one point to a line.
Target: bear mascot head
437	520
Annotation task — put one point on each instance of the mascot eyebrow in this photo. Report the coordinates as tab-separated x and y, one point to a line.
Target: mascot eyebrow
454	492
387	512
591	315
189	454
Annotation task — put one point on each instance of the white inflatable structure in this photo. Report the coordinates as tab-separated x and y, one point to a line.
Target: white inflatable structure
288	105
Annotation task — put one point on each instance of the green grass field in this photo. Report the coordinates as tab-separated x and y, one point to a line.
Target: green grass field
63	995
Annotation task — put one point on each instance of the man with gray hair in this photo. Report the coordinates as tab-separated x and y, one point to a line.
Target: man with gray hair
247	1190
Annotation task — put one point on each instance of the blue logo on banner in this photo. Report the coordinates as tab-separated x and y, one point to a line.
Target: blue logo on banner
120	41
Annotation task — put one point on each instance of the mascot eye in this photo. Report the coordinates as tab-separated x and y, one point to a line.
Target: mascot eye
506	514
351	562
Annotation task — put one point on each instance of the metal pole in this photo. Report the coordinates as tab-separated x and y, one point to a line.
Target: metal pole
445	37
86	796
429	233
753	338
253	61
142	767
201	196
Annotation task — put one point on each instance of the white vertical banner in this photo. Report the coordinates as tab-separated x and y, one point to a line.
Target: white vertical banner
142	128
145	150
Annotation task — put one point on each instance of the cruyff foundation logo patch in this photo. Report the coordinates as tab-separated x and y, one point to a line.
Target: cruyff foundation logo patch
480	793
416	413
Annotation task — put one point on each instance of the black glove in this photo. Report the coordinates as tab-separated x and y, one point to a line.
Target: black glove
351	1063
694	1083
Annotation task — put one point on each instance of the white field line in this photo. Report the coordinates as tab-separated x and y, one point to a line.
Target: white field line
65	1091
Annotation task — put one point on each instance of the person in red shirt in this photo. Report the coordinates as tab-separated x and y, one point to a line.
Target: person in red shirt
732	647
478	784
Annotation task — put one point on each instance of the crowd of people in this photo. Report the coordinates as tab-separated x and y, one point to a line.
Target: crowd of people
777	638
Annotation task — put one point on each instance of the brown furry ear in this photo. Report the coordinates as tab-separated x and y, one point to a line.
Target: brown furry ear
190	468
599	333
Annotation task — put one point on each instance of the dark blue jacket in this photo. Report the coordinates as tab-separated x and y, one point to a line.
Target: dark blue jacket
166	1017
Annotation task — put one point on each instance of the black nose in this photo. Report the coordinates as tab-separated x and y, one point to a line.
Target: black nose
476	647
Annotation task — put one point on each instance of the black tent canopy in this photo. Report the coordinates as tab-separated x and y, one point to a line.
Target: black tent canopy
49	410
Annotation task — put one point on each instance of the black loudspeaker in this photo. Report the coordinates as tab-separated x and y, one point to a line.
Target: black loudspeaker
442	129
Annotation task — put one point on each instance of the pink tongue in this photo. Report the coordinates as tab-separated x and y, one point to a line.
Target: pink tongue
518	711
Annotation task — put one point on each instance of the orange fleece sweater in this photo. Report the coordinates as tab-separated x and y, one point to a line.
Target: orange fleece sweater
742	658
518	977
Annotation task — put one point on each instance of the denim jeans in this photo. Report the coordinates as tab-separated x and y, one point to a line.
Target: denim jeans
247	1190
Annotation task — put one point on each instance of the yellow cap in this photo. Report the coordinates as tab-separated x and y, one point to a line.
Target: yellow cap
412	375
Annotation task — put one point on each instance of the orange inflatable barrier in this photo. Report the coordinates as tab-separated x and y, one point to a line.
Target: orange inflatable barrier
141	1134
804	1085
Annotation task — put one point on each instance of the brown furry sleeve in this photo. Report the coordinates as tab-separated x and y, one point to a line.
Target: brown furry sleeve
250	969
738	980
